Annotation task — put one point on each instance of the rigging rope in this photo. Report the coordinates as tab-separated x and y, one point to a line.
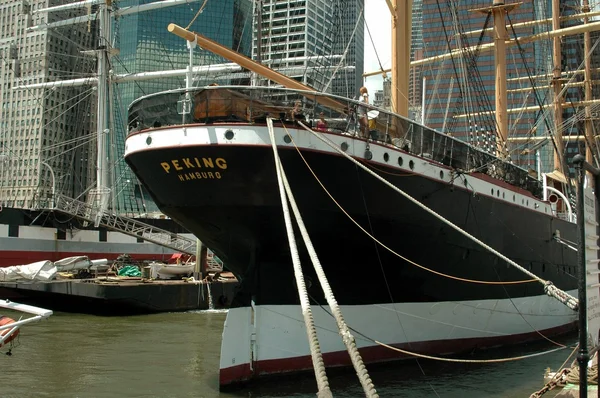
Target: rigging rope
374	48
540	103
315	350
197	14
343	59
392	250
549	287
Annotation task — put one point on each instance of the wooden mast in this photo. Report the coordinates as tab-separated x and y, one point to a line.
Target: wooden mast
401	42
499	11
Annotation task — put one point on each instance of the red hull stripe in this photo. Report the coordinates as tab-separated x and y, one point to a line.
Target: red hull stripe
240	373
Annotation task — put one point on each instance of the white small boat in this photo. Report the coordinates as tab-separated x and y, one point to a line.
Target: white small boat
10	328
169	271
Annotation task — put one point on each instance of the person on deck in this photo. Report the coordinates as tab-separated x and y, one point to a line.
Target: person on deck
297	113
321	123
362	112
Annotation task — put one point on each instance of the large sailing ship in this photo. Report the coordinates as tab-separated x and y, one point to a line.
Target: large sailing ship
429	244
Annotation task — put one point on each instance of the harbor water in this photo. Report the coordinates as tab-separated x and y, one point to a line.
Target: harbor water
177	355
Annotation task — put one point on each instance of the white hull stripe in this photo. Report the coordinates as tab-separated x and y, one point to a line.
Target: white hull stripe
274	334
256	135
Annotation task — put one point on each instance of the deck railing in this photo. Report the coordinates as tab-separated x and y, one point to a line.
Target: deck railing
236	104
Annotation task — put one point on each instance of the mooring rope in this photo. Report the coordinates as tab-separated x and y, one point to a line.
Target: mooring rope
564	376
549	287
313	341
347	337
497	360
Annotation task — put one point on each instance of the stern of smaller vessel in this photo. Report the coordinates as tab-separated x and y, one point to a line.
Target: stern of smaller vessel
237	348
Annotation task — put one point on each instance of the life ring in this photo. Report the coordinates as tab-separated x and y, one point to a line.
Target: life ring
4	320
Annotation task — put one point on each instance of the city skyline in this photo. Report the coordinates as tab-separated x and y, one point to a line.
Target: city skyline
36	160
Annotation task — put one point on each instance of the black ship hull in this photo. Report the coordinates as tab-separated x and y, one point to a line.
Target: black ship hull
401	275
235	209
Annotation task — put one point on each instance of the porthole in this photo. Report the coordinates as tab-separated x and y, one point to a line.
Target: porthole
498	193
441	174
527	202
386	157
465	182
287	139
503	196
229	135
522	201
148	140
400	160
411	164
514	198
344	146
492	191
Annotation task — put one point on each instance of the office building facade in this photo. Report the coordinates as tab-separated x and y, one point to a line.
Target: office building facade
48	136
317	42
44	132
460	92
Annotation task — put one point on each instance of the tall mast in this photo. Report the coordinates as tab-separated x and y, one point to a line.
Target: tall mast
587	45
557	85
499	11
102	117
401	41
259	31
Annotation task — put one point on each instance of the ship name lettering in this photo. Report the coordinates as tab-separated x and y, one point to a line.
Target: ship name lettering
193	163
199	175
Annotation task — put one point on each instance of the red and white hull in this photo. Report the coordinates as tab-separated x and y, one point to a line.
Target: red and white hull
38	243
269	339
402	276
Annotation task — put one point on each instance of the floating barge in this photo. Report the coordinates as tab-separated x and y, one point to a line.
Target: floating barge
123	296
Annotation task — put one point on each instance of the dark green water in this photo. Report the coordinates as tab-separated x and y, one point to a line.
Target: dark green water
177	355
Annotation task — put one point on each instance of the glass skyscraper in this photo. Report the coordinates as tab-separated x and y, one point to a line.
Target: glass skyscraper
145	45
48	134
310	39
